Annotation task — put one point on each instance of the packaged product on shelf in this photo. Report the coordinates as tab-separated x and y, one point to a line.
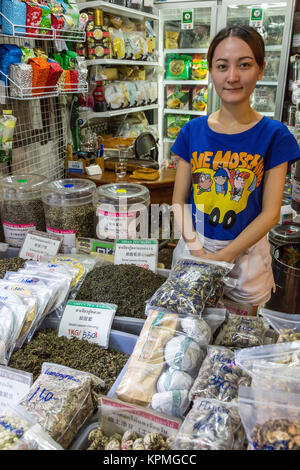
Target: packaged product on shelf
68	403
57	21
271	419
136	4
67	80
7	126
98	43
132	92
21	206
274	366
81	49
199	98
69	59
114	96
241	332
15	13
33	19
69	211
71	15
9	54
177	96
74	80
175	124
211	425
263	98
171	39
82	71
187	294
83	20
41	69
285	324
39	52
219	377
162	366
153	90
27	53
46	19
178	67
55	71
117	43
199	69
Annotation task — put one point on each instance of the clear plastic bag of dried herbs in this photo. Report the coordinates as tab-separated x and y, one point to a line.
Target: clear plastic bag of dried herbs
14	422
193	283
211	425
285	324
271	418
61	400
240	331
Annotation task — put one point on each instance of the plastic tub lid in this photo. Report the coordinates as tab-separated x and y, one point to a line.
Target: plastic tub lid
69	191
285	233
117	191
23	186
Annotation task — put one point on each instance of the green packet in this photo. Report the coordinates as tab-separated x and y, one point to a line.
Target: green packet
178	67
175	124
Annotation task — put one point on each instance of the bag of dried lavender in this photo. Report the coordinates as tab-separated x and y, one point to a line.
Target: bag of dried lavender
193	283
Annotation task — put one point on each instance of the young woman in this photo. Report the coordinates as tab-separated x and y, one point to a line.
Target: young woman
245	155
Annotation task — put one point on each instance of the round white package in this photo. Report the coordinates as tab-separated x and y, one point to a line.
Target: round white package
183	353
198	329
173	403
173	379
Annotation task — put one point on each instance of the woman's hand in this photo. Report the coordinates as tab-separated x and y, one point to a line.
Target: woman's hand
217	256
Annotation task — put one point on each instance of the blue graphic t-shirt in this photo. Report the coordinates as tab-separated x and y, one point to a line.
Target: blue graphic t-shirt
228	172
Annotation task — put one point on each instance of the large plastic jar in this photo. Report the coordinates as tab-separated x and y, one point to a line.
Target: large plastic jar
21	206
69	210
122	211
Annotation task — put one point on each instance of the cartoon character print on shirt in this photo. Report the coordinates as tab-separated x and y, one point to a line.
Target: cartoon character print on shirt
223	193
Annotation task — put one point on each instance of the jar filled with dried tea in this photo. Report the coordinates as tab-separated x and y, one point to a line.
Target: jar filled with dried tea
122	211
69	210
21	206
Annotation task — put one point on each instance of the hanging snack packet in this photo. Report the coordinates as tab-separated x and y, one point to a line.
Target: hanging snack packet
274	366
162	366
175	124
285	324
199	98
211	425
171	39
199	68
271	419
177	97
190	283
61	400
178	67
241	332
118	43
219	377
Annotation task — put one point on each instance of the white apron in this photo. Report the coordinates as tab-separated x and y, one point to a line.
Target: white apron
252	269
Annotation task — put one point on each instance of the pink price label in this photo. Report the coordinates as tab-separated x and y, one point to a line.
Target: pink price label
62	232
8	224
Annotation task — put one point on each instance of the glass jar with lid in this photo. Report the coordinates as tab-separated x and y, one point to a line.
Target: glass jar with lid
122	211
69	210
21	206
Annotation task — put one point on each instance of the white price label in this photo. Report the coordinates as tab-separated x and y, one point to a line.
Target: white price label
88	320
38	244
14	386
143	253
117	416
68	236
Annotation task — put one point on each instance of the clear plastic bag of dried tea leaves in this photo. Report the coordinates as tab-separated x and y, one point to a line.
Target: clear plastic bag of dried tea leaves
273	366
219	377
14	422
190	284
271	418
162	366
285	324
240	331
35	438
211	425
61	400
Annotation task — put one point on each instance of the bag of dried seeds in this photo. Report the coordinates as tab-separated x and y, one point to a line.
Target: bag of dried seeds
162	367
219	377
241	332
274	366
193	283
14	422
285	324
61	400
271	419
211	425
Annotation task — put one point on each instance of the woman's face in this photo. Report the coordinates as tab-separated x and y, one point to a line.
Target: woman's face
234	70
